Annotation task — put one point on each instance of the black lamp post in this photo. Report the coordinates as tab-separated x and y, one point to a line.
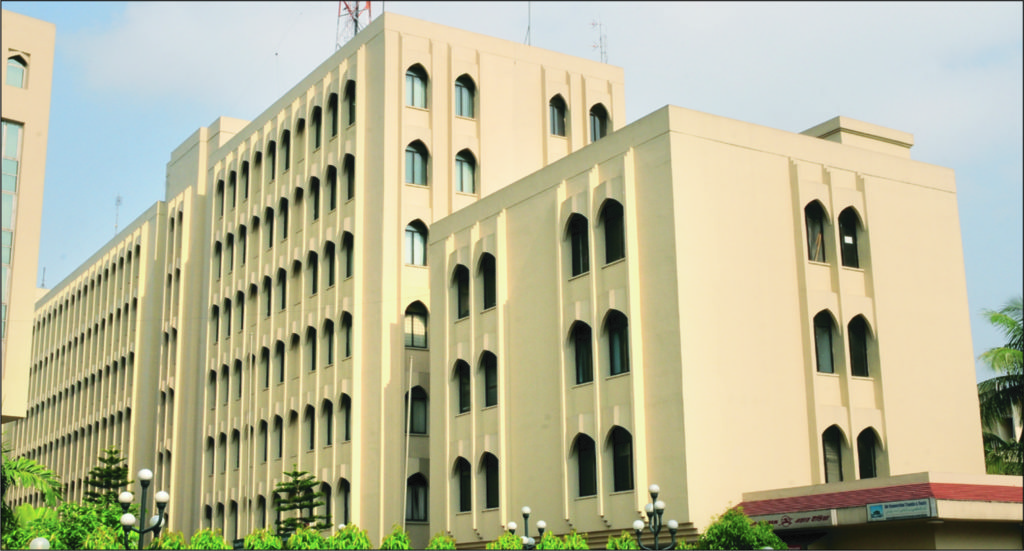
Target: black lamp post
528	542
655	509
128	519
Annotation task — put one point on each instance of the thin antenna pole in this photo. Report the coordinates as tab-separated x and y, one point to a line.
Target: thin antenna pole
117	209
529	19
43	284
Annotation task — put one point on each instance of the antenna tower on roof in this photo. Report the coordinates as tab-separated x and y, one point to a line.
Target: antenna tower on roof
602	40
350	16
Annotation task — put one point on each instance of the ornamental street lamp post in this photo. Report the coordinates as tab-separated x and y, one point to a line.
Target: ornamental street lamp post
128	520
528	542
654	511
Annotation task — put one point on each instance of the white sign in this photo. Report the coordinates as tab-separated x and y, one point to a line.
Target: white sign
895	510
803	519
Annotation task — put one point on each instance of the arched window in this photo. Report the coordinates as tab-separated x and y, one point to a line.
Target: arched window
346	335
577	233
464	478
488	273
315	128
345	410
309	422
235	449
232	188
491	482
220	198
622	459
209	456
598	122
814	215
267	299
282	209
16	71
217	259
586	465
464	384
236	379
416	86
416	243
344	490
823	342
350	101
848	226
245	180
328	343
416	504
278	437
279	360
867	445
325	489
349	167
311	357
461	282
263	441
332	113
331	188
215	322
617	328
489	365
272	159
286	148
314	198
465	91
858	333
416	158
832	446
312	273
222	453
416	316
417	400
556	114
329	265
327	422
261	512
614	232
282	288
223	383
465	172
265	366
581	337
268	226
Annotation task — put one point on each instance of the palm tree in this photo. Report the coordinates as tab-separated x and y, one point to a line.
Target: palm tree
21	471
1000	396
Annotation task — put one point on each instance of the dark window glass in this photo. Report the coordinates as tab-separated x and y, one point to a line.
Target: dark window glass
416	504
598	122
556	114
465	474
350	176
618	342
416	164
350	100
418	416
490	367
487	269
848	238
831	443
586	465
416	326
462	291
464	93
579	243
823	342
581	338
491	474
622	459
866	445
332	113
614	233
815	218
416	87
858	334
462	373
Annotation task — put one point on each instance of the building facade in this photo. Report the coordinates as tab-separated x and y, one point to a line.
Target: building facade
27	45
441	275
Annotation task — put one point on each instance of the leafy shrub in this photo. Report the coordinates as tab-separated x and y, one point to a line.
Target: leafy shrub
397	539
624	541
349	537
263	538
508	540
169	540
208	539
550	541
573	540
305	538
734	530
441	541
104	537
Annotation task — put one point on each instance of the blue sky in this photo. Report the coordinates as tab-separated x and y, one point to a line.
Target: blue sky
132	80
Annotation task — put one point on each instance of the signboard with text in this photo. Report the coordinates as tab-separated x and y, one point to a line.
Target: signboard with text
897	510
795	521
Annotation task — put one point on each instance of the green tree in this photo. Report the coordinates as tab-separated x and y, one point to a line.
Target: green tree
1001	396
441	541
26	473
299	493
735	530
108	479
397	539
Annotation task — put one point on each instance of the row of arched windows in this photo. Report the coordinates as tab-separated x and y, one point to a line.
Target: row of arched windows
619	448
615	332
818	234
610	222
487	272
463	478
836	452
557	112
859	339
417	165
488	370
336	506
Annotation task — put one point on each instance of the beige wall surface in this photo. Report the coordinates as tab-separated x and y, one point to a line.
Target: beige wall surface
720	299
31	41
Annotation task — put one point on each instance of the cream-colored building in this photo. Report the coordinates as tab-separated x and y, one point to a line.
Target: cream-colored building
316	284
706	304
27	46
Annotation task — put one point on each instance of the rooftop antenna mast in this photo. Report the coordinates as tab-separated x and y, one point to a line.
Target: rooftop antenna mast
529	17
352	12
602	40
117	209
